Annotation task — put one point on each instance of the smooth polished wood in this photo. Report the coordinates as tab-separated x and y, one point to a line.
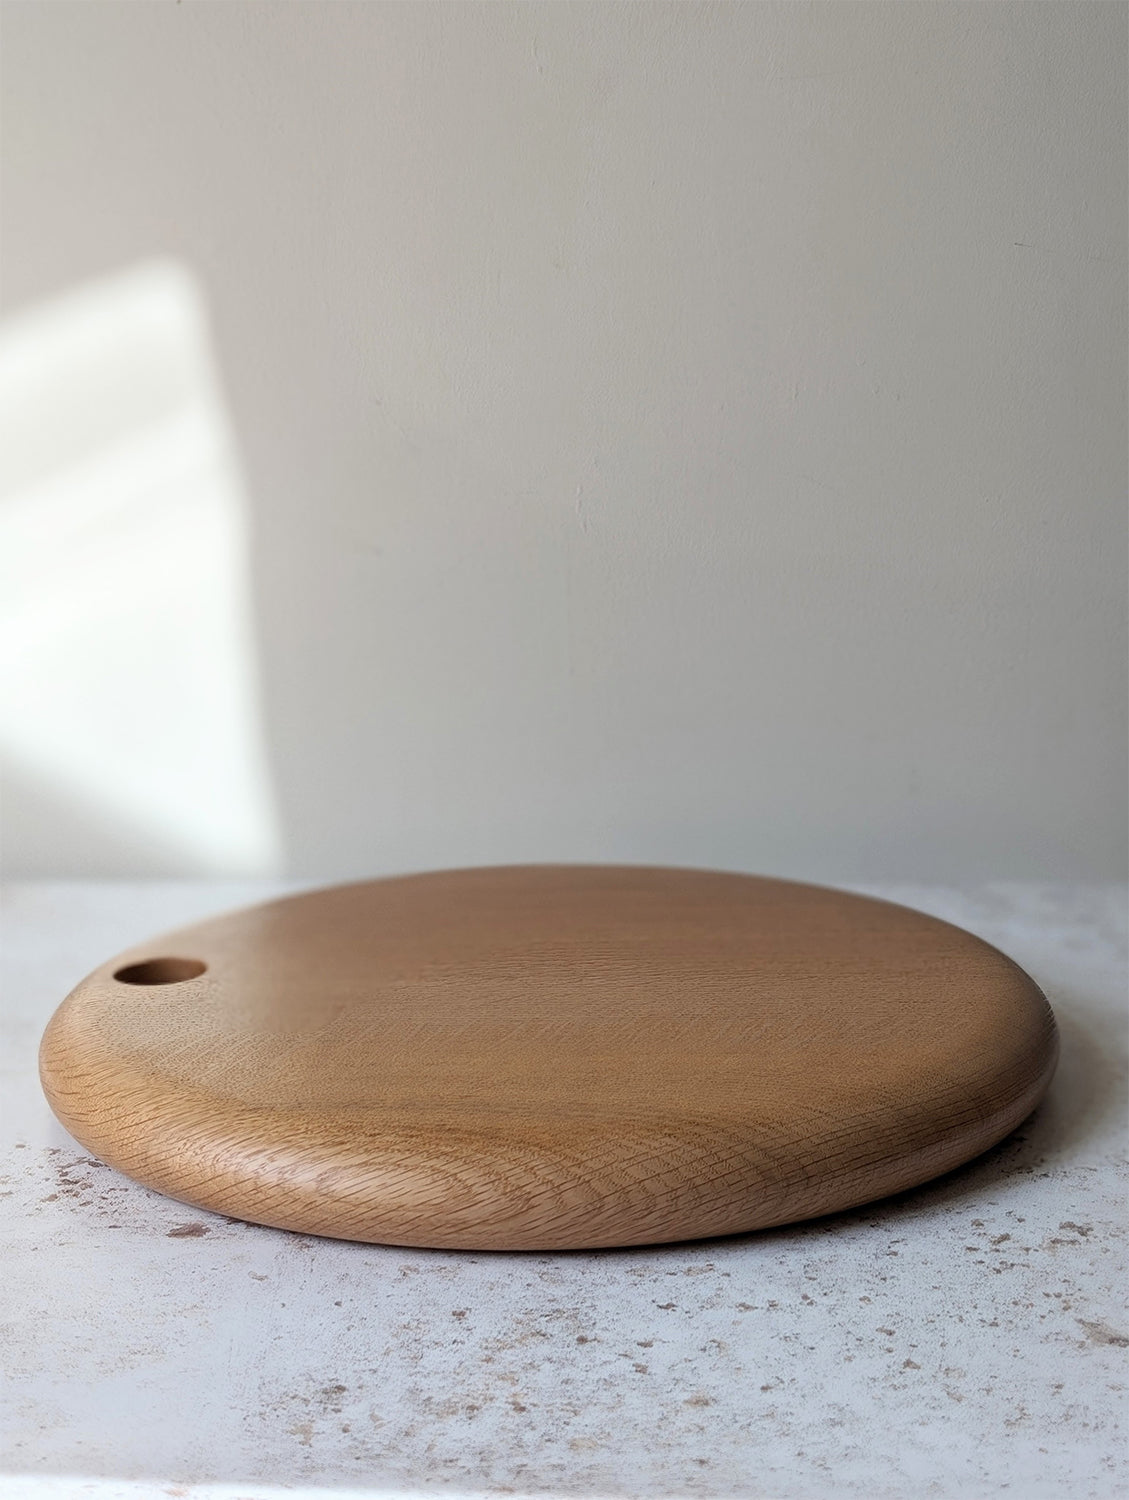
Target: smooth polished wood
549	1057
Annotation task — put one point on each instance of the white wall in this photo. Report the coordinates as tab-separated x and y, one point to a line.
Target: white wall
689	433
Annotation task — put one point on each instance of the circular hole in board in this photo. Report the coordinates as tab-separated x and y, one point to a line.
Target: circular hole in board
161	971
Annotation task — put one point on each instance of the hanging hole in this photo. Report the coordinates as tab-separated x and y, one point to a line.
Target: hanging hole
161	971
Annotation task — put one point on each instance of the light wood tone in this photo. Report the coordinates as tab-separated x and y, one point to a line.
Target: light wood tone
549	1057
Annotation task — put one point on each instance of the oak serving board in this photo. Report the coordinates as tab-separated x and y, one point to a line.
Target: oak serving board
549	1057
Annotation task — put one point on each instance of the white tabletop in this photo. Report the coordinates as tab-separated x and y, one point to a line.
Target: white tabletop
967	1339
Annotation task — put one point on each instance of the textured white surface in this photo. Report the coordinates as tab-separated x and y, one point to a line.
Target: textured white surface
686	433
968	1339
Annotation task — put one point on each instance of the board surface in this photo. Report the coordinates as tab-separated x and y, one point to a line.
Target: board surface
549	1057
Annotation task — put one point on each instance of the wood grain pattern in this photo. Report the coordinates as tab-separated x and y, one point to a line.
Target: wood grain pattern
549	1057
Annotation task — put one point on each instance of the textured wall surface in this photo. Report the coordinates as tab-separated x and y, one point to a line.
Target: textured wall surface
682	433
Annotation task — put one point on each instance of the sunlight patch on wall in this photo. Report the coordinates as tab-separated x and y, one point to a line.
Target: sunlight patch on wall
130	735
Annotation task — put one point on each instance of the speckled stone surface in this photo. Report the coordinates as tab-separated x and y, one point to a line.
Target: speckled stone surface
967	1339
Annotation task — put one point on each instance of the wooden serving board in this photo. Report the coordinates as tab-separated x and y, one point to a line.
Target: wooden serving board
549	1057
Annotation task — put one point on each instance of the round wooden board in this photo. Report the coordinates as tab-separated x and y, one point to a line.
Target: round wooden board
549	1057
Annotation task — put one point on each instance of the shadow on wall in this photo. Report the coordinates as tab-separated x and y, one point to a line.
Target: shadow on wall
130	731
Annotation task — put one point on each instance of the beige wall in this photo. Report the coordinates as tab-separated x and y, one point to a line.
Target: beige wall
689	433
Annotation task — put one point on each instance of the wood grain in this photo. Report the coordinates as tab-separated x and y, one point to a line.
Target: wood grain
549	1057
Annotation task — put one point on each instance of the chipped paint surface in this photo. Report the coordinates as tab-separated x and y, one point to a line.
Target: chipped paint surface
969	1338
